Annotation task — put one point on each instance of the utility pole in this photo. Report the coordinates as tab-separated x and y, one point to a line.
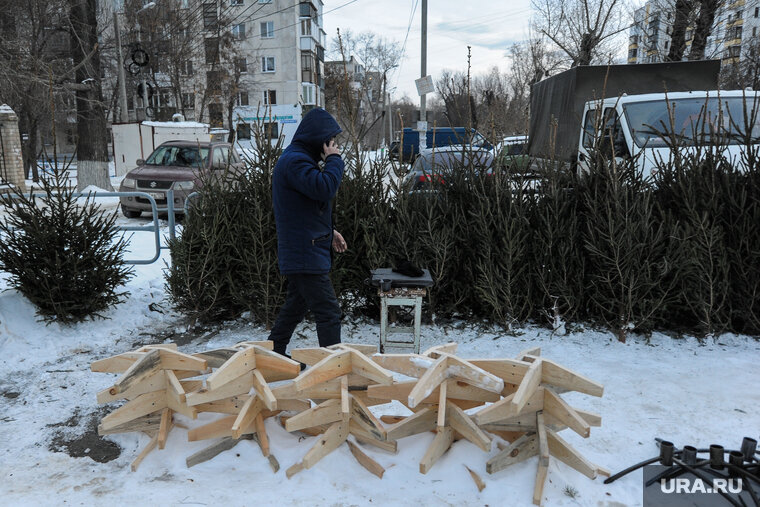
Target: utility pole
422	124
123	112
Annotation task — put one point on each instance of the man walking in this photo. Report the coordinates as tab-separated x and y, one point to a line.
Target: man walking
302	195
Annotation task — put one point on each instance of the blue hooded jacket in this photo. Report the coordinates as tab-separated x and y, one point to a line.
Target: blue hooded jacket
302	194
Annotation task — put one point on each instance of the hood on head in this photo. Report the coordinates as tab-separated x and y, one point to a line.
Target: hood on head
315	129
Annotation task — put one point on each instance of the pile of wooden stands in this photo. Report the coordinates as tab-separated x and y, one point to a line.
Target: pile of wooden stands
519	399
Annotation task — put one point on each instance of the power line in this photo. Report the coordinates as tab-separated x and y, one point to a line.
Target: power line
406	37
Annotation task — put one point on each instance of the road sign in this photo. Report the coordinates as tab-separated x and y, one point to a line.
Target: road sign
424	85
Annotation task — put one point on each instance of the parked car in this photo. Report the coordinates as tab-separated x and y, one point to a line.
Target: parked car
512	153
434	165
439	137
182	166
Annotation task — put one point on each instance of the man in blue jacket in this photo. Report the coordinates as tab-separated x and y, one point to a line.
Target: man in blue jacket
302	193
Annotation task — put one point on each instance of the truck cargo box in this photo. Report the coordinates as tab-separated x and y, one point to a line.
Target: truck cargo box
556	103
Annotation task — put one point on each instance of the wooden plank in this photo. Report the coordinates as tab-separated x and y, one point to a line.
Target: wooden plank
560	376
172	382
436	350
592	418
411	365
173	360
510	371
312	432
441	443
310	356
543	444
332	366
325	390
564	452
294	469
521	449
165	346
363	416
508	436
155	381
116	364
269	362
474	375
429	381
538	490
215	358
241	385
463	425
177	403
231	405
364	437
476	478
140	457
528	386
211	452
190	386
247	414
241	363
144	367
165	427
361	365
335	435
263	390
264	344
565	414
456	389
261	431
505	409
345	402
145	424
533	351
441	420
420	422
362	396
142	405
215	429
364	348
371	465
324	413
293	405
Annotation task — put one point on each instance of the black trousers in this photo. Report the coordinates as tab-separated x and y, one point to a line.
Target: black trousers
308	292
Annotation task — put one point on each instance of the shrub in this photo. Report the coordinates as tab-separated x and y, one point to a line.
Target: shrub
64	255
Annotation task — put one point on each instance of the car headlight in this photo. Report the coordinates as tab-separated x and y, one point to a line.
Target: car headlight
183	185
128	183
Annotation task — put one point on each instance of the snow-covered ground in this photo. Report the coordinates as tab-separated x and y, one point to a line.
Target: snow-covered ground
682	390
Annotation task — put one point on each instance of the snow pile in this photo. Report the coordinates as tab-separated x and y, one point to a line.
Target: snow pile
683	390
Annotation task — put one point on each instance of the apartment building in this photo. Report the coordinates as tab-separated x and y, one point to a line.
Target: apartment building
733	38
263	57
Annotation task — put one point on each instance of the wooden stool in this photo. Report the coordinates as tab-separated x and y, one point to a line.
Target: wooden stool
403	296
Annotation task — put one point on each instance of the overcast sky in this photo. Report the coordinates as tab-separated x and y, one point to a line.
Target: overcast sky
489	26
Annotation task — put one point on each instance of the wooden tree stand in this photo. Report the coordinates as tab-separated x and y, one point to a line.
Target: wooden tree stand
520	401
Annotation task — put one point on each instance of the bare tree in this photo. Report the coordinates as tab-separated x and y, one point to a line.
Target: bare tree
703	27
583	29
682	18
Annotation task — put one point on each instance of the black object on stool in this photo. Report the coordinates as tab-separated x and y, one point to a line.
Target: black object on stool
406	268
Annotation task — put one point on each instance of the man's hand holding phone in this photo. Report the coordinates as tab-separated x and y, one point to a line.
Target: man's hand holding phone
329	149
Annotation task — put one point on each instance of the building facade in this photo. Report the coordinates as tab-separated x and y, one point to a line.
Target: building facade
239	64
734	35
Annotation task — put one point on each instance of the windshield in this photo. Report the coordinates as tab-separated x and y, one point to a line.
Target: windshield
478	139
720	119
186	156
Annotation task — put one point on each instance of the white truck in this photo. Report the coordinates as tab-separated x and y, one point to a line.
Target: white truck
636	111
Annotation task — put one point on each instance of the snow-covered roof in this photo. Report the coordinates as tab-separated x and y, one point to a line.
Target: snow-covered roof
179	124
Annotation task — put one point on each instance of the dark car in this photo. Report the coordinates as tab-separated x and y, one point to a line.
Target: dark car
435	166
182	166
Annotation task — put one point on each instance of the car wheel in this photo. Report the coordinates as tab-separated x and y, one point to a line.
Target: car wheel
130	213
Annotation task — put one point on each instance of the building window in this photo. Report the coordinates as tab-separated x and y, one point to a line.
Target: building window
305	27
236	2
271	130
188	100
633	53
308	94
238	31
242	99
739	14
757	11
267	29
267	64
210	15
754	31
211	47
186	68
265	1
241	65
243	131
270	97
